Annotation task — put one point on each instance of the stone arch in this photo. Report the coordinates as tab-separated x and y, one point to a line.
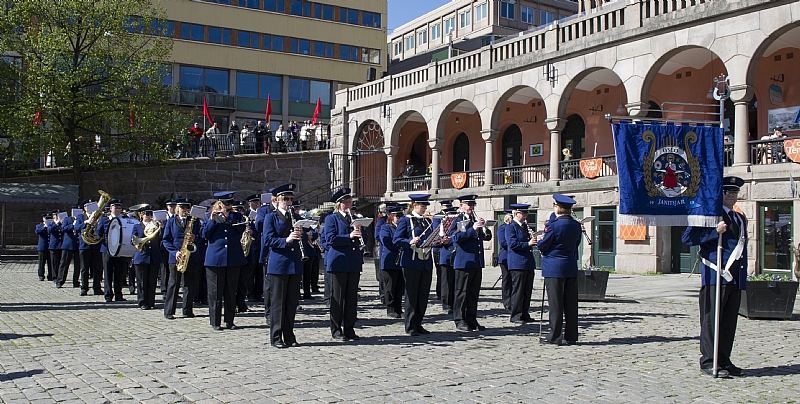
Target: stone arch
405	117
766	46
520	94
586	79
459	105
690	53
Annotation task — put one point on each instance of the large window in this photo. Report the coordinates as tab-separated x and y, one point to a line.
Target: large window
327	12
270	86
252	85
299	90
507	10
370	55
422	37
321	90
301	46
193	31
250	3
436	31
219	35
199	79
481	11
246	85
545	18
323	49
449	25
526	14
274	5
300	7
247	39
409	43
465	19
776	237
277	43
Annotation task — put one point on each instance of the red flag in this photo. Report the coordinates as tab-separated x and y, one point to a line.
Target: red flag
317	110
131	119
37	118
206	113
269	108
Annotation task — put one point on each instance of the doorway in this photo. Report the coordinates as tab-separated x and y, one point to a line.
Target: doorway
605	237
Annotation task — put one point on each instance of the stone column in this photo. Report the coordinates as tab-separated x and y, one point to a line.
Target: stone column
489	136
435	146
741	96
390	153
555	125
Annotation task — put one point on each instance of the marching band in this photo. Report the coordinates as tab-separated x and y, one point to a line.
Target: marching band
261	248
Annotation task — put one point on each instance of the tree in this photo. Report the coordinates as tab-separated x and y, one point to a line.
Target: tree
87	81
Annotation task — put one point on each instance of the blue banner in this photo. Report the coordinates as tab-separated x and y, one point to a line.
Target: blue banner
669	175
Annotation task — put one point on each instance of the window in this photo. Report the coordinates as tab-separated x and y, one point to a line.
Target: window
449	25
352	17
327	12
297	7
191	78
163	28
422	37
436	31
354	53
409	43
376	20
266	42
246	85
545	18
247	39
342	14
274	5
317	10
193	31
526	14
301	46
270	86
481	11
507	10
321	90
398	47
366	18
219	35
199	79
344	52
277	43
319	48
216	81
249	3
299	90
371	55
466	19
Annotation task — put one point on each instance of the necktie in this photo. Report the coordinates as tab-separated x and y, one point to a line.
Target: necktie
734	222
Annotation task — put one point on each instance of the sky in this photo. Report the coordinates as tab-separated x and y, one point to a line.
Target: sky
403	11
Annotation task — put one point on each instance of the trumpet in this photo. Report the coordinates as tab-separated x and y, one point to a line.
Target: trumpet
303	256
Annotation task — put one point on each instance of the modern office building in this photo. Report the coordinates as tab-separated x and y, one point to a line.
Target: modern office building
237	53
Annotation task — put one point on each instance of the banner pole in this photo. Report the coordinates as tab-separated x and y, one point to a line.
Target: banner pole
721	93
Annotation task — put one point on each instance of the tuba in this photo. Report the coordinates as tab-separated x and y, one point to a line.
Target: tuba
187	248
88	235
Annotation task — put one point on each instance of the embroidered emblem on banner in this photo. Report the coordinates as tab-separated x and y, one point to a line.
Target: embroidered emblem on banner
671	172
458	180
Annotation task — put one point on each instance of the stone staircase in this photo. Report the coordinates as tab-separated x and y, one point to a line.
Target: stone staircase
19	253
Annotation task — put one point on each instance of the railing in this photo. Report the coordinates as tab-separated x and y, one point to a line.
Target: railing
519	46
410	78
764	152
571	169
458	64
591	24
414	183
652	8
520	176
195	98
365	91
475	178
727	154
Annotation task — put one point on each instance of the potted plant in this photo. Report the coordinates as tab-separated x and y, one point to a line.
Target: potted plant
592	283
768	296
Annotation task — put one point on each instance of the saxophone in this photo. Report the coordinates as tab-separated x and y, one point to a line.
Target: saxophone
187	248
88	234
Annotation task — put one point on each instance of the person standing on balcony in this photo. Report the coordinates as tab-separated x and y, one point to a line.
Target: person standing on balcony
778	156
233	134
209	148
195	134
262	140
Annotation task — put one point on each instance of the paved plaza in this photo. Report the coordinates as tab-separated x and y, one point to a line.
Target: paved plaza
640	345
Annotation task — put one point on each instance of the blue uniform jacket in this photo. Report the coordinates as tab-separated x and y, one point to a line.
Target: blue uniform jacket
69	241
706	238
469	246
262	212
224	241
152	252
390	253
56	236
311	250
255	246
378	227
402	238
520	254
284	258
79	226
173	241
44	237
342	254
502	257
435	226
559	247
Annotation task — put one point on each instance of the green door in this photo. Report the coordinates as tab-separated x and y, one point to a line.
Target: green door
775	238
683	256
578	214
605	237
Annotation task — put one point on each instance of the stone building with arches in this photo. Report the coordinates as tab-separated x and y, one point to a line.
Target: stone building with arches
513	120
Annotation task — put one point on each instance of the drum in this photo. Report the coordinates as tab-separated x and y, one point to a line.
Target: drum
120	231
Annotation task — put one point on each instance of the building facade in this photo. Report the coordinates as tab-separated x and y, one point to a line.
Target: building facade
239	53
513	120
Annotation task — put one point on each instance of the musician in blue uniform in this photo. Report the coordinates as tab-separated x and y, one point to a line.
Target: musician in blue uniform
733	229
521	264
268	206
285	267
224	258
254	282
113	267
163	275
468	238
437	250
310	253
174	237
69	252
43	247
559	248
91	258
391	271
381	220
147	258
56	237
343	262
506	284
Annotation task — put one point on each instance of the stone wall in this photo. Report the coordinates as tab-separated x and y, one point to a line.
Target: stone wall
197	178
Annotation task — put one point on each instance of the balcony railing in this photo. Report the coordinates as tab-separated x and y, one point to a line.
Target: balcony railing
195	99
413	183
474	179
571	169
764	152
520	176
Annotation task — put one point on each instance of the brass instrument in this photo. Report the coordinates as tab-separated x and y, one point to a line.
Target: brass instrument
247	239
303	256
420	250
151	229
187	248
88	234
360	239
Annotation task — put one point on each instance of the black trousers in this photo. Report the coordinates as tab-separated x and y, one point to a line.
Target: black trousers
562	297
146	283
438	275
201	292
190	284
164	273
506	286
255	282
241	289
418	290
285	295
63	266
267	295
327	291
344	302
521	290
395	285
308	273
467	291
44	261
55	262
379	278
91	260
222	281
315	263
730	296
131	278
113	273
448	287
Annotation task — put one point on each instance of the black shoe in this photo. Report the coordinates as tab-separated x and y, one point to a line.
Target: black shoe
279	345
98	292
721	373
295	344
169	317
84	293
76	285
188	315
462	327
735	371
476	327
231	326
58	285
41	279
422	330
109	300
309	297
567	342
338	337
144	307
352	337
120	299
393	314
217	328
544	340
518	322
242	310
413	333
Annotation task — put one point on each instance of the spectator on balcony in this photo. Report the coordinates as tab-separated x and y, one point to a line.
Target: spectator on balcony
318	137
778	156
262	140
209	147
304	135
277	142
194	136
245	135
233	134
289	139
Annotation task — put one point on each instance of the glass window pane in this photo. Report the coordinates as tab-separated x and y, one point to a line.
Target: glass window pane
306	9
321	90
344	52
374	56
246	85
253	4
266	42
293	45
269	5
319	49
342	14
352	17
605	216
217	81
317	10
198	33
299	90
305	47
354	53
376	20
243	38
277	43
191	78
270	86
185	31
366	18
329	51
297	7
214	34
226	36
327	12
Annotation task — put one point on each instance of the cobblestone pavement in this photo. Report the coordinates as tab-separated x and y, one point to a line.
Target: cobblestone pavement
58	346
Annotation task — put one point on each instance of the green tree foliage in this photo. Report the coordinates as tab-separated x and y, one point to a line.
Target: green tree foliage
93	72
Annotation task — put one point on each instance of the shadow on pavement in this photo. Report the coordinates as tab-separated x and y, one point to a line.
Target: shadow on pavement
129	303
641	339
17	336
20	375
774	371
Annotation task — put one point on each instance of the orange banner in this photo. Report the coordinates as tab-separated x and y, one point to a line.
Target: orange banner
458	180
591	167
792	149
637	233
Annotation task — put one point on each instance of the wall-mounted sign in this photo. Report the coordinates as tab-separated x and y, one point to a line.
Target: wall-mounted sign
591	168
775	95
458	180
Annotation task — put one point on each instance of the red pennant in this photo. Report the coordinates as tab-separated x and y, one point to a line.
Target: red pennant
206	113
269	109
317	110
37	118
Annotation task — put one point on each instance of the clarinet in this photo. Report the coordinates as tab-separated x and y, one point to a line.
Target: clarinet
303	256
360	239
